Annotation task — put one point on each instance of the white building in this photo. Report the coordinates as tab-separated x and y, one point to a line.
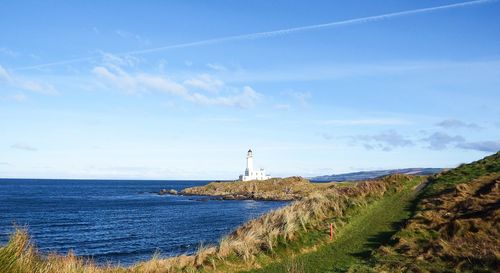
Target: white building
250	173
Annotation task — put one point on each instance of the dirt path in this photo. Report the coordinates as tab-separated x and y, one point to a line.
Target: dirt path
368	230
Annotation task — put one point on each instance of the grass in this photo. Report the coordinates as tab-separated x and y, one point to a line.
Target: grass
455	227
252	245
452	226
464	173
369	227
290	188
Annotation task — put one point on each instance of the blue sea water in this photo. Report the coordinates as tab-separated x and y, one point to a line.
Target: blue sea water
118	221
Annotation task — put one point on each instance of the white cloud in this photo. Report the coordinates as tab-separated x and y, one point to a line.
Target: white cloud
244	99
123	60
205	82
143	82
162	84
25	84
140	82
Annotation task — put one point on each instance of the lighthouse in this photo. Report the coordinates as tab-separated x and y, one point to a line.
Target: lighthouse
249	168
250	173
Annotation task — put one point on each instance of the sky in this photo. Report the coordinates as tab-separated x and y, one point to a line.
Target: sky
182	89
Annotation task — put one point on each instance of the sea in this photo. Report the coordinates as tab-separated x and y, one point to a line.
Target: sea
119	221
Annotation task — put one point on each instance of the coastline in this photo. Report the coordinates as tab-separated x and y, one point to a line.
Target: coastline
274	189
255	239
336	221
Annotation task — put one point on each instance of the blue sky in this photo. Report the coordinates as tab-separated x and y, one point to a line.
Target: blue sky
181	89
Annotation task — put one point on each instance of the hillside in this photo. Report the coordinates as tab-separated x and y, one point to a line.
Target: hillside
366	228
365	175
456	224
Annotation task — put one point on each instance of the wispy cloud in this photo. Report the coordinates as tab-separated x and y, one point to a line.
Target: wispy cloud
26	84
287	31
216	66
23	146
144	82
448	70
9	52
205	82
362	122
246	98
123	60
20	97
301	97
455	123
273	33
136	83
129	35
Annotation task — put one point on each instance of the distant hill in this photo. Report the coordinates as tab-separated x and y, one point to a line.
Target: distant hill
374	174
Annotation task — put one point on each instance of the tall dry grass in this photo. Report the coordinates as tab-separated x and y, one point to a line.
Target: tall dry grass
261	235
456	230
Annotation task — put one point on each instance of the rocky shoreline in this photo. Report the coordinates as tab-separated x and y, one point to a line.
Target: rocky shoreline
275	189
249	196
169	192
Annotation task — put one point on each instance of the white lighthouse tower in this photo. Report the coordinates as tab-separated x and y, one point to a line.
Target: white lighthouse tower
249	168
250	173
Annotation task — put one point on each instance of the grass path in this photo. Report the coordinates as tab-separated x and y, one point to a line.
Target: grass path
369	229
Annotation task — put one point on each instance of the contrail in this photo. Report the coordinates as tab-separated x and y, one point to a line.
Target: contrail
268	34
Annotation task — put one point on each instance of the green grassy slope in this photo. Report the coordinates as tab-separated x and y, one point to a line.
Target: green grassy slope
367	230
456	226
462	174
